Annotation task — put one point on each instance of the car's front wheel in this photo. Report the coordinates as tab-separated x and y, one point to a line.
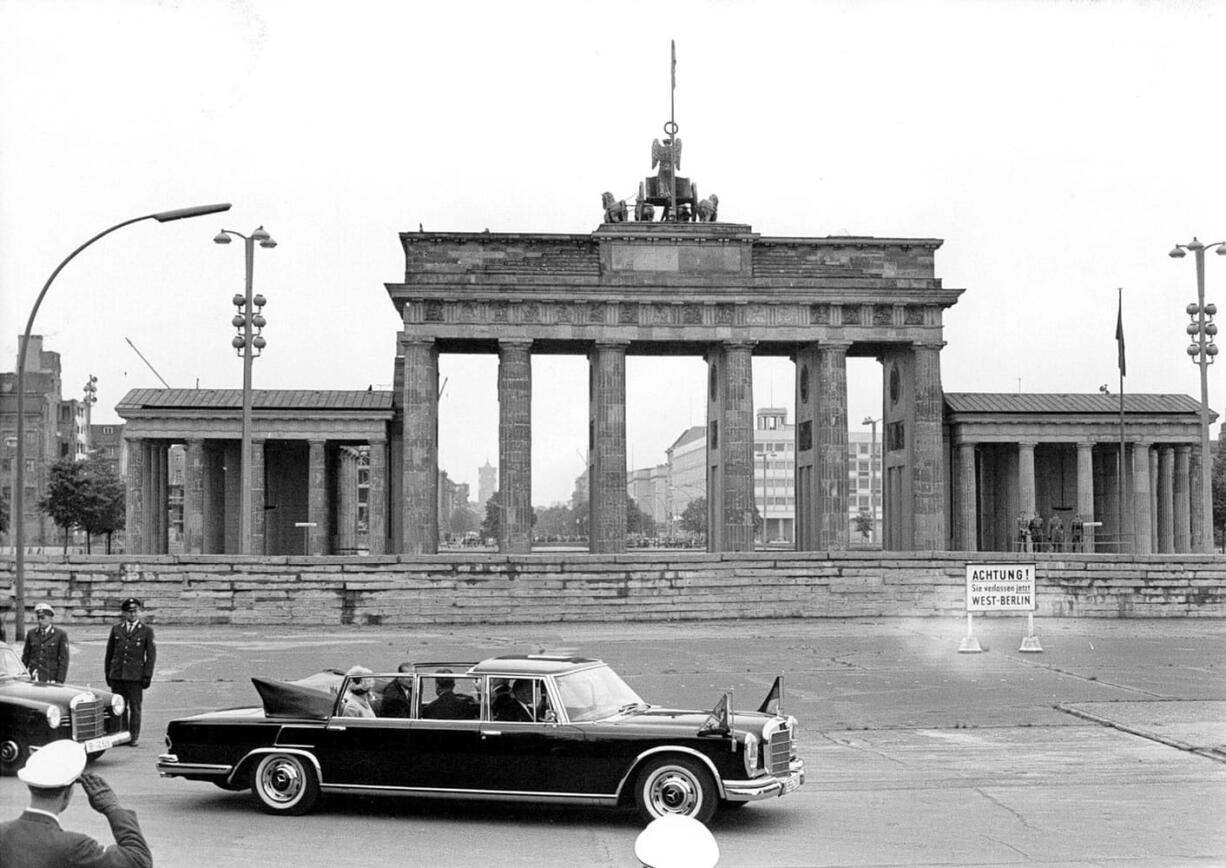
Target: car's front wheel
675	785
13	755
284	783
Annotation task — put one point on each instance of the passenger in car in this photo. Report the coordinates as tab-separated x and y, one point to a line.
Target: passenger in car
398	695
517	706
450	705
356	702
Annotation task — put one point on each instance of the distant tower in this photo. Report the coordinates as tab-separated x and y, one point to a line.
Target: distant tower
487	482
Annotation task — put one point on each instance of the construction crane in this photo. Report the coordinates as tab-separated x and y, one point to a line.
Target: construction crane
146	361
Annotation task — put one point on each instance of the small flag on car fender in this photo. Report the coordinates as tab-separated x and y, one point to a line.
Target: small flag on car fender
720	718
773	704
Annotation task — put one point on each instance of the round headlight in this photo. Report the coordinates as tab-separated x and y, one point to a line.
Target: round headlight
751	753
53	716
117	705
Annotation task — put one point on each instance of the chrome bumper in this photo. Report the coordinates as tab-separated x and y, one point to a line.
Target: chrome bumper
168	766
766	786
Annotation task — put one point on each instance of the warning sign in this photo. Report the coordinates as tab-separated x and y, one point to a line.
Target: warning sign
1000	588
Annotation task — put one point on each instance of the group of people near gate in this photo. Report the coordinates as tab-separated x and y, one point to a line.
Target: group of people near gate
1036	535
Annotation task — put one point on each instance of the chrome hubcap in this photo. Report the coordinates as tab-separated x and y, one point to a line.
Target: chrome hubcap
9	751
282	781
674	792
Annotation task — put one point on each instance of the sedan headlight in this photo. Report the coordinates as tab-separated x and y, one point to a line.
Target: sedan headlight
53	716
117	705
751	753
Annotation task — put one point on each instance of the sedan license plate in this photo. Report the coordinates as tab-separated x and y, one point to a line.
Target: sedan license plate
790	784
93	745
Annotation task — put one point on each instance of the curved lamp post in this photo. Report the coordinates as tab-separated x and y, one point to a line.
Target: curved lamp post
250	315
1202	352
19	471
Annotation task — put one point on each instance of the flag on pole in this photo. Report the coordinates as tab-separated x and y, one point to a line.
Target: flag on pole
774	699
673	43
1119	333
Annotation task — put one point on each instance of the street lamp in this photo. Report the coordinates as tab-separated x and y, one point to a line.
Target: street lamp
250	316
1202	351
872	477
19	470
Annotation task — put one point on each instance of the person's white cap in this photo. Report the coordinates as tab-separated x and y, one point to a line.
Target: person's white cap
674	841
53	765
44	607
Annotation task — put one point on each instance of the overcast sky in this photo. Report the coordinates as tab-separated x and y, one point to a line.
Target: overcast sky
1059	149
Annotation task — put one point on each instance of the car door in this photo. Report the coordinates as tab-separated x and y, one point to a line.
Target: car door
531	756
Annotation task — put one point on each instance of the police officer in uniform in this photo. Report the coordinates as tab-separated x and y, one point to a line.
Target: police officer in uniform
36	840
130	657
46	649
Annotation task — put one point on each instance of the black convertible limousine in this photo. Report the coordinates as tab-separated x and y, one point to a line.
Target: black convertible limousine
530	728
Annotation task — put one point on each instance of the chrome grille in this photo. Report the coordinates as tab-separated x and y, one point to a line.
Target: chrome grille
88	718
779	752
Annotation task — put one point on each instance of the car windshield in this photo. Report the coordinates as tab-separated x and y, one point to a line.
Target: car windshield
591	694
10	663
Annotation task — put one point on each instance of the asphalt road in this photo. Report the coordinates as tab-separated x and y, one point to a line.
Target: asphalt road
1108	748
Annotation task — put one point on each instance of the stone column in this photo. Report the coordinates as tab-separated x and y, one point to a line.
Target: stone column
259	517
607	448
928	465
155	497
966	533
376	498
1202	531
346	500
1143	542
515	445
1085	492
730	464
830	445
1025	478
1166	499
419	512
135	535
193	498
317	498
1181	509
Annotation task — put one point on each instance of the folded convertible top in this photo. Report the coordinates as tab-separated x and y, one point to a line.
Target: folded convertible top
311	697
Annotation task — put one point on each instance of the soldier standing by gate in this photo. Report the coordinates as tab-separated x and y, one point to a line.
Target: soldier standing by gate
130	657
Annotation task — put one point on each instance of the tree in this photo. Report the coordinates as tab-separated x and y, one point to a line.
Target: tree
105	498
694	518
66	502
638	521
85	495
491	525
462	520
864	524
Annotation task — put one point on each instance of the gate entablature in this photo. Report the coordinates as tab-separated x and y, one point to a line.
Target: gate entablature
654	283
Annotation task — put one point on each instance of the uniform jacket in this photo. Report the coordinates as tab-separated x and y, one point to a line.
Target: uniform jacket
130	657
48	654
37	841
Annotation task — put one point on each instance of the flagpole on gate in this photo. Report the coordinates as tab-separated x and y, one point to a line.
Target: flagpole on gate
1119	337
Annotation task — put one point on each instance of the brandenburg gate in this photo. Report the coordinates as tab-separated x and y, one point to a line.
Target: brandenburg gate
678	287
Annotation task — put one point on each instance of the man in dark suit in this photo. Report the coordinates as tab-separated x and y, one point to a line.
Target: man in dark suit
517	706
130	657
46	650
398	695
448	705
36	840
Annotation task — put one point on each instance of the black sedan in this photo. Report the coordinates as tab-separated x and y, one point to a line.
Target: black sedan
33	713
526	728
